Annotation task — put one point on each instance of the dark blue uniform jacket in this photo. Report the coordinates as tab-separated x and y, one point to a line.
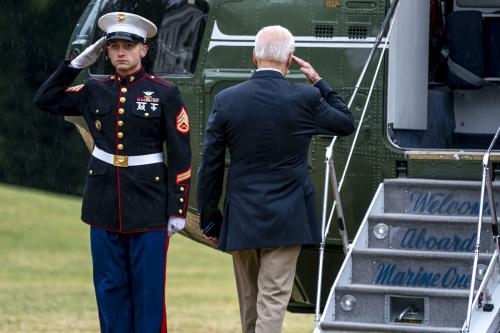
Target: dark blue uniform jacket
267	123
133	115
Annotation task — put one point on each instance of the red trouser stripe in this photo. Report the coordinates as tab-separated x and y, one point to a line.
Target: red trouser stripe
164	321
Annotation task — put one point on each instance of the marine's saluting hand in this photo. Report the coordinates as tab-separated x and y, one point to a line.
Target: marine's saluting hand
89	55
307	69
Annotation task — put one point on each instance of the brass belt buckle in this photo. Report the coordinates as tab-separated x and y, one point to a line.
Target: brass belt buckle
120	161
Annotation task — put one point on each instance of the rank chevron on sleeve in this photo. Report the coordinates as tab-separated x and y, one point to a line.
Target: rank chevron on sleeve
182	121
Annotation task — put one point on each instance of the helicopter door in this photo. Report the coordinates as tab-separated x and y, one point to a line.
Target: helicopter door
408	64
444	75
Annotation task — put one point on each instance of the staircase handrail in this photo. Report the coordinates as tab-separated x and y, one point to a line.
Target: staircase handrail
330	148
486	184
330	170
482	287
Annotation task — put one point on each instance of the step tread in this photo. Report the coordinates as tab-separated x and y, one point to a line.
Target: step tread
473	184
413	291
403	217
419	254
387	327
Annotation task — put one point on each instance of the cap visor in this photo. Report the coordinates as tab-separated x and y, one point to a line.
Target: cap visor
124	36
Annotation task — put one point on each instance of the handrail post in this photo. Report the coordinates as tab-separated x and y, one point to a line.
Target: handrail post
486	185
476	255
340	211
491	198
323	236
491	201
493	210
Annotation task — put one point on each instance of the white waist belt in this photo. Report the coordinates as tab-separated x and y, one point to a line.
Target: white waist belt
126	161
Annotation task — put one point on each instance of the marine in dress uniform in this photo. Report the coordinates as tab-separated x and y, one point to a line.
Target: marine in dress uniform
132	200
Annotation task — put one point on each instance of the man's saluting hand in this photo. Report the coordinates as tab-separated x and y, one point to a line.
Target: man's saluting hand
89	55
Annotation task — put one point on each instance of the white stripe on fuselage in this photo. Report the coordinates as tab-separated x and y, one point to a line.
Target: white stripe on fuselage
219	38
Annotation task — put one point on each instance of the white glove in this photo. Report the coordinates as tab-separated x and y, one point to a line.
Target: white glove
89	55
175	224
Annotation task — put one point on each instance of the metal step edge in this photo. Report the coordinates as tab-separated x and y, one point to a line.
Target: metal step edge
402	217
387	327
408	291
384	253
434	183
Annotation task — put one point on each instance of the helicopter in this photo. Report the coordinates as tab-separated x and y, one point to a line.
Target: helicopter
429	113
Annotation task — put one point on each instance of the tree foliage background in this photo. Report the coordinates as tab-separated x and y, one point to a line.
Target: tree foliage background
36	149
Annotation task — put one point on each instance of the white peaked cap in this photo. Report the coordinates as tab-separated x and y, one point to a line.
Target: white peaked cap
127	26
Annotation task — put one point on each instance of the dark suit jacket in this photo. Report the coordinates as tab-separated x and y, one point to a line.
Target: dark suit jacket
267	123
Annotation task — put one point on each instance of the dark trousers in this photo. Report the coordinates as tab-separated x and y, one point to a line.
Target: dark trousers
129	280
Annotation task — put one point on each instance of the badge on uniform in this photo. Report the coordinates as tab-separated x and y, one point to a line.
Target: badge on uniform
147	102
182	123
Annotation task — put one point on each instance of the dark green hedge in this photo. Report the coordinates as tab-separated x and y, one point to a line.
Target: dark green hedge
36	149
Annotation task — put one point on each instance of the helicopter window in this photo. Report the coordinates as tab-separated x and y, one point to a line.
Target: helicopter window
86	24
175	48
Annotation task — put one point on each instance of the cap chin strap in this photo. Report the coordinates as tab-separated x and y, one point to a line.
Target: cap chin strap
126	36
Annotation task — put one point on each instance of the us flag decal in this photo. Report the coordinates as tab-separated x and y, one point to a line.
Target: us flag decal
182	122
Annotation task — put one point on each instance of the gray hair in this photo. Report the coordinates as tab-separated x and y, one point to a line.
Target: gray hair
273	43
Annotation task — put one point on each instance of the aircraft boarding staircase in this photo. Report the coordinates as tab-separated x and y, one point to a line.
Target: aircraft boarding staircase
409	268
417	263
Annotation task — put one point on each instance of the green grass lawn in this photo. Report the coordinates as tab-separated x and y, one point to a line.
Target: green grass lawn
46	276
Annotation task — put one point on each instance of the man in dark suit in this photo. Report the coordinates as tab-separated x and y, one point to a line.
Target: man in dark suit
132	201
267	123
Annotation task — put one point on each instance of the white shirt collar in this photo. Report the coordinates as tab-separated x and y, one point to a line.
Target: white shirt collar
268	69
